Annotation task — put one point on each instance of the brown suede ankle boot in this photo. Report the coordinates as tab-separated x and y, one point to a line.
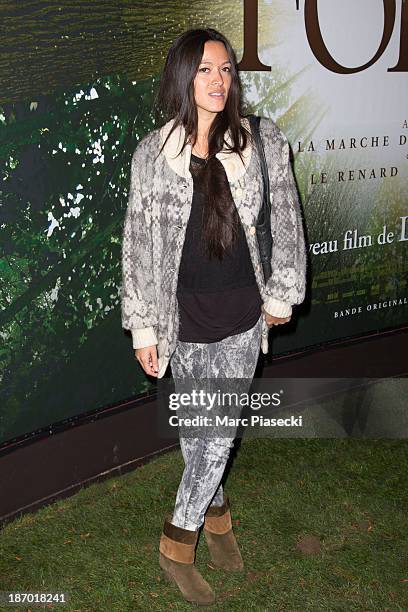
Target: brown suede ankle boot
220	538
176	558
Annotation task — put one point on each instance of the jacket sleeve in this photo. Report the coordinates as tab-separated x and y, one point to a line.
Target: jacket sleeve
138	302
287	284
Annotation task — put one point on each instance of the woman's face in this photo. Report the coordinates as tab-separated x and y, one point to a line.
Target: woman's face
213	77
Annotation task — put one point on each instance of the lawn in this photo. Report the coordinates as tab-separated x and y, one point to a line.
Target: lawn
322	525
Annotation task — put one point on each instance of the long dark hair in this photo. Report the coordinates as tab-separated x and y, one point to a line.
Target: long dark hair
175	100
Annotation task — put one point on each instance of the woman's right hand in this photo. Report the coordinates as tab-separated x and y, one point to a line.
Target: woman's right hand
147	357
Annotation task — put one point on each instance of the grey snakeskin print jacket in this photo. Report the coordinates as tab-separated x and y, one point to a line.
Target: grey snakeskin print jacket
158	210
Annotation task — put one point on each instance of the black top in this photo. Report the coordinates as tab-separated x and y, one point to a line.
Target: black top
216	298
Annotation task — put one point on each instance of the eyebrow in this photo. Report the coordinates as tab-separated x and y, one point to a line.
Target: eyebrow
208	62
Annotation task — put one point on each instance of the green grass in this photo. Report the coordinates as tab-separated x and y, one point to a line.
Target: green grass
100	545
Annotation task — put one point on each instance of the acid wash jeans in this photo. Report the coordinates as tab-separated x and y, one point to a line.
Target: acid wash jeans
205	458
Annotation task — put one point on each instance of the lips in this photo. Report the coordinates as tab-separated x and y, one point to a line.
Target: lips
216	94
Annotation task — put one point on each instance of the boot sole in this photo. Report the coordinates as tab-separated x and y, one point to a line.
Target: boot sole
228	569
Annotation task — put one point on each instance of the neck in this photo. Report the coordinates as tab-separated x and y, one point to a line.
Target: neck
204	123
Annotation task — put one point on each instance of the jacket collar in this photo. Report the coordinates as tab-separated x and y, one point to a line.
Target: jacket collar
234	167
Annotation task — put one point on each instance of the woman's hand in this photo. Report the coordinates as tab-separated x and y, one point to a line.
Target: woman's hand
271	320
147	357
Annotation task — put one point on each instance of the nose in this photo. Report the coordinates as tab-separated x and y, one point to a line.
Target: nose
218	78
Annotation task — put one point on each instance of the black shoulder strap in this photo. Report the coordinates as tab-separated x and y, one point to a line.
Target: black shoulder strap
264	216
263	225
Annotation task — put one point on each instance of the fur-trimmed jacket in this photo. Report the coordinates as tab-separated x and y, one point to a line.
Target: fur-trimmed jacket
158	210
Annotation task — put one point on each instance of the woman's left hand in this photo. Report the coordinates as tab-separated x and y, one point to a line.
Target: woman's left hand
271	320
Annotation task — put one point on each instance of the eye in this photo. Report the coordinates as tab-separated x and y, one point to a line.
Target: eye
204	68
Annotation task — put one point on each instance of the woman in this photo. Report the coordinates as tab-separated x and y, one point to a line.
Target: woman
193	293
